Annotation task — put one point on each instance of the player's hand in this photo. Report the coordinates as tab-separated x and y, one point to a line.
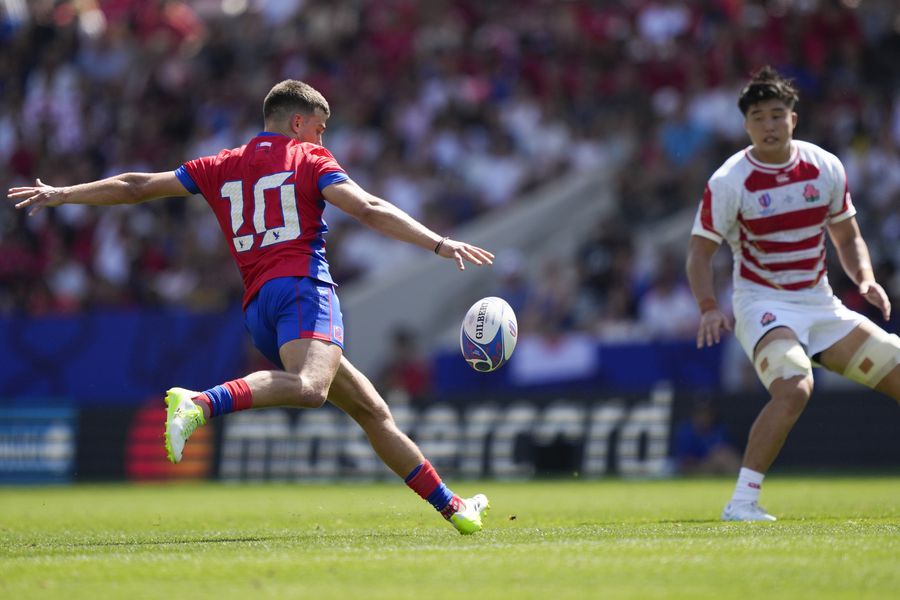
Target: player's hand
877	297
712	323
36	197
462	253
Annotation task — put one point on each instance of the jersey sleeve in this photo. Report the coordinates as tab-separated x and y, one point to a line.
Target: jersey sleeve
840	205
718	211
326	170
196	175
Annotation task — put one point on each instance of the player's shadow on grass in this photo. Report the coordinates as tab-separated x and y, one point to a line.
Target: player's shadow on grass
691	521
203	540
337	537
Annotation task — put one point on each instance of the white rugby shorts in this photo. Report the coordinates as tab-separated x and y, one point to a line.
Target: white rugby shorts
818	324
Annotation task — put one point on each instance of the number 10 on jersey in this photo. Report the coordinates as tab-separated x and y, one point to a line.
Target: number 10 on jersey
234	192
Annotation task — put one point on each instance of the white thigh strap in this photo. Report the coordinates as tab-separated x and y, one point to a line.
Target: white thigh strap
874	359
782	359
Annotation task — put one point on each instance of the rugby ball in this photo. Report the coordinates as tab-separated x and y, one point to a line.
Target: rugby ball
487	337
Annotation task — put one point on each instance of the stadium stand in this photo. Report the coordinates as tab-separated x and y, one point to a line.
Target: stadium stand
454	110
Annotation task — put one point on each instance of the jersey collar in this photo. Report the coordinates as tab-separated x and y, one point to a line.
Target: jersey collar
771	168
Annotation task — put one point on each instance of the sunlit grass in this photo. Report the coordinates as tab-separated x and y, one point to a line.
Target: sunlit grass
836	538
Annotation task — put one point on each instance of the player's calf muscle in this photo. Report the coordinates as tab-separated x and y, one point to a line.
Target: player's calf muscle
279	388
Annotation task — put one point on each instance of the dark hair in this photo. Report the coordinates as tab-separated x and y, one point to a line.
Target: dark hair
292	96
767	84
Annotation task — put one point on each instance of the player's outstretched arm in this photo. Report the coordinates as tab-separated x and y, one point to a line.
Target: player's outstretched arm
386	218
700	277
854	255
128	188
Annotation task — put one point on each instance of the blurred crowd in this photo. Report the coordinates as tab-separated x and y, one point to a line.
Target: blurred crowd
448	108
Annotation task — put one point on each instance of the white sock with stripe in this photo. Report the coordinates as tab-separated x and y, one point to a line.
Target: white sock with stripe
748	486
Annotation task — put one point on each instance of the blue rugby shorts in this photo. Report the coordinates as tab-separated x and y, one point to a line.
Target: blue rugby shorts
293	308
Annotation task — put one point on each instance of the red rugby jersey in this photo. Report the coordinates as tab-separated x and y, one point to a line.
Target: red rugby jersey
267	197
774	217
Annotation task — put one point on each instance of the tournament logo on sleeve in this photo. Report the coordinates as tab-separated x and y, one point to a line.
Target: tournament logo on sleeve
766	319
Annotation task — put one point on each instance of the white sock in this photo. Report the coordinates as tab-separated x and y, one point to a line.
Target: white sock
748	485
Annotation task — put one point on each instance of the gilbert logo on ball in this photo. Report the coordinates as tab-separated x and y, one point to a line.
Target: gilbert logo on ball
487	336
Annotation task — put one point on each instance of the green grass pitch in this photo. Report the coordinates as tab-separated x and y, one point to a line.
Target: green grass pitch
836	538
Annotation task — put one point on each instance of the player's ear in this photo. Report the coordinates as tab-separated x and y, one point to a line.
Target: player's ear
296	122
794	119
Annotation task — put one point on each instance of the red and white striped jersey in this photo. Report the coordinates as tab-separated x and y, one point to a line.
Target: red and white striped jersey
774	217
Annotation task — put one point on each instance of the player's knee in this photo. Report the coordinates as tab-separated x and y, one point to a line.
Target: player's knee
875	358
792	399
313	392
782	359
316	398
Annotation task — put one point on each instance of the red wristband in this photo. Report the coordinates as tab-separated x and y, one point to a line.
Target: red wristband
707	304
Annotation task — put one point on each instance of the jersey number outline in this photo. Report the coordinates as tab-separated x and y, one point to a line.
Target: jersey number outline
234	192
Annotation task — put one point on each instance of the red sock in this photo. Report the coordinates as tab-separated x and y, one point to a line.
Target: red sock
240	392
425	481
227	398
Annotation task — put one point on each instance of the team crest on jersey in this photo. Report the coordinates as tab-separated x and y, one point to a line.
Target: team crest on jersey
766	319
810	193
